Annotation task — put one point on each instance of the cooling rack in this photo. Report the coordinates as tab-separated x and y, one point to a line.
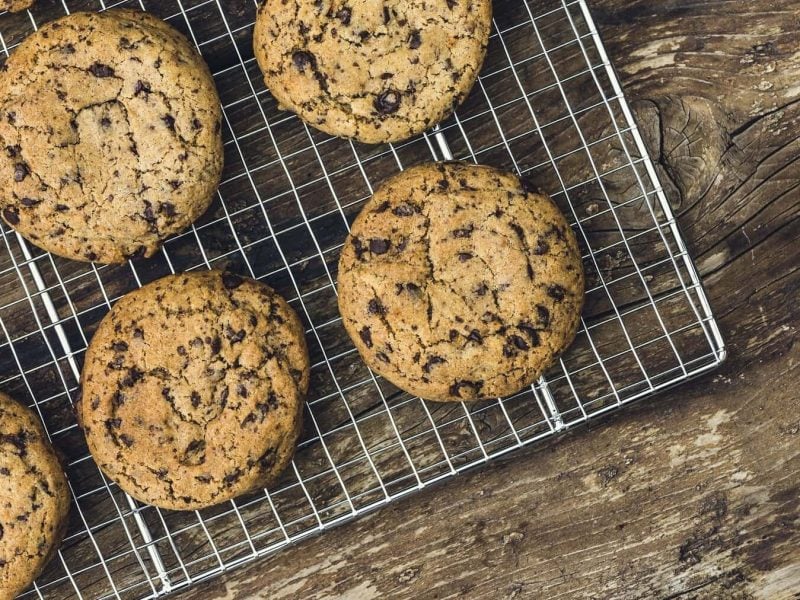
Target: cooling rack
548	105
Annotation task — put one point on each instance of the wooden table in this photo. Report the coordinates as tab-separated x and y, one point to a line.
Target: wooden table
695	493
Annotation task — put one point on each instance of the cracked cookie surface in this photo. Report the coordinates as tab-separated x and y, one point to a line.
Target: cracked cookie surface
369	70
193	389
110	136
15	5
34	498
458	283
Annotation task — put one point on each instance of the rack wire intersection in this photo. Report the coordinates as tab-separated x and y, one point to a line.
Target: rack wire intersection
549	105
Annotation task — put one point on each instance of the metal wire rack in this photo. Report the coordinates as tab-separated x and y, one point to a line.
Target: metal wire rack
548	105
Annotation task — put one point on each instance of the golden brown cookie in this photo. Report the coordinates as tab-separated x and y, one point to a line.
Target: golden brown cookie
34	498
193	389
109	136
373	71
15	5
458	283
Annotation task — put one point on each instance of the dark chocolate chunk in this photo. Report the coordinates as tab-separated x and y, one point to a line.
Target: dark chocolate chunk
366	336
403	210
556	292
543	314
302	59
379	246
374	307
475	336
431	362
414	40
531	332
100	70
11	215
464	232
388	102
21	171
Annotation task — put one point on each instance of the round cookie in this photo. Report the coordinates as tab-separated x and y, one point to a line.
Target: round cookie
193	389
34	498
459	283
15	5
110	136
372	71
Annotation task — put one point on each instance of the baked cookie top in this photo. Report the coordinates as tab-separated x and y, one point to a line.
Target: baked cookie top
193	389
15	5
34	498
458	283
109	136
376	71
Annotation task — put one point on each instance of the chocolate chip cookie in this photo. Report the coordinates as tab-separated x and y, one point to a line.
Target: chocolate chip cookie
372	71
109	136
15	5
34	498
193	389
458	282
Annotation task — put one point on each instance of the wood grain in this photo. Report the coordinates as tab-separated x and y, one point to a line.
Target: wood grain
695	493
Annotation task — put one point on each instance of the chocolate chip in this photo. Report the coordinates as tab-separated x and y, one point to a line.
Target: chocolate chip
466	389
233	477
148	213
167	208
414	40
379	246
403	210
451	4
181	350
242	390
174	184
62	207
453	335
363	36
541	247
344	14
231	281
113	423
302	59
531	332
475	336
387	75
91	256
388	102
382	357
366	336
19	441
126	439
444	184
464	232
374	307
169	121
105	122
481	290
138	333
101	70
197	125
119	346
223	397
519	231
117	399
195	399
11	216
142	87
21	171
431	362
234	337
358	247
465	256
518	342
13	151
387	16
556	292
543	314
132	377
384	206
216	346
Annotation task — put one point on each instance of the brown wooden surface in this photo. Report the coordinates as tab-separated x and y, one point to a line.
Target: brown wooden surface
693	495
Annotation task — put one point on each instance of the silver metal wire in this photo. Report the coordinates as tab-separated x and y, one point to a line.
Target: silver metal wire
548	105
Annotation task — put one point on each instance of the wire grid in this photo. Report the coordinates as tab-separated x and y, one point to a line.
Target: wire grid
548	105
